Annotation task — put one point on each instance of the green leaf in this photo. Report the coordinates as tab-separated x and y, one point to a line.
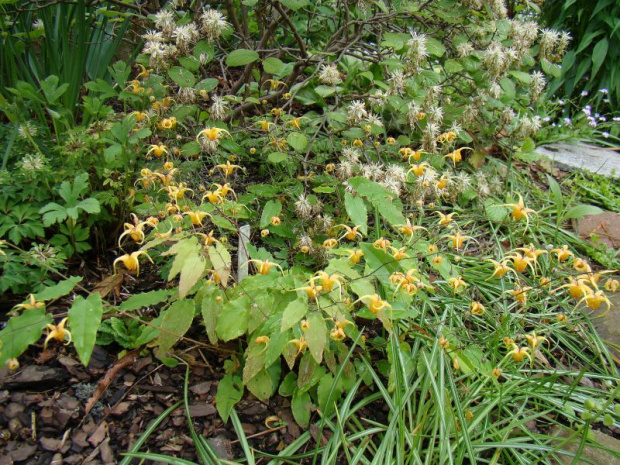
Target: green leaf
57	290
145	299
221	262
207	84
272	65
388	206
90	205
556	193
21	331
182	77
300	406
580	211
85	318
241	57
232	321
551	68
288	385
229	393
193	268
277	157
435	47
495	213
316	335
294	4
261	385
598	56
293	312
272	208
298	141
357	211
177	320
254	361
326	402
211	308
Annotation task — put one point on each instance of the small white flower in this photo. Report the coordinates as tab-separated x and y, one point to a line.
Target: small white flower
605	135
213	23
584	93
356	112
604	91
329	75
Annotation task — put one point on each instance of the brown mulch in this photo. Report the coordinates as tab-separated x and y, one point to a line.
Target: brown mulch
43	407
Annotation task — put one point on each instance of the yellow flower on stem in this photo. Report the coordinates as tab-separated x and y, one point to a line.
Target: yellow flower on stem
330	243
135	230
228	168
300	343
329	281
501	269
533	340
520	294
30	304
408	229
157	150
351	234
519	353
382	244
131	261
520	262
275	85
399	254
445	220
477	308
58	333
595	300
458	240
212	134
576	288
456	156
296	122
457	284
355	256
265	125
197	217
520	211
612	285
418	169
563	254
213	197
311	290
374	303
264	267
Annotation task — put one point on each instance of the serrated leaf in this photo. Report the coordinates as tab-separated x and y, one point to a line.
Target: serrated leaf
182	77
21	331
316	335
221	262
241	57
388	206
301	406
232	321
580	211
229	393
90	205
193	269
293	313
59	289
177	320
495	213
357	211
84	319
272	208
272	65
435	47
183	250
210	309
298	141
254	361
207	84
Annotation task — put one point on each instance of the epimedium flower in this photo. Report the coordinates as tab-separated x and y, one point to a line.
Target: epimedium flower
457	284
264	266
197	216
351	233
135	230
228	168
519	353
131	261
456	156
58	333
374	302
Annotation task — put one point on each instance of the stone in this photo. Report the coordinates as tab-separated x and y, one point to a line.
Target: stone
222	447
571	157
202	410
606	226
592	454
606	322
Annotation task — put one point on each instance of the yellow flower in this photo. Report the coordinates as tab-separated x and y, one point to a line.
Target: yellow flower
457	284
520	294
399	254
520	211
477	308
31	303
328	281
357	143
275	221
520	262
355	256
312	290
262	340
382	244
418	170
581	265
374	302
197	217
458	240
456	156
300	343
58	332
576	288
264	267
351	234
595	300
408	229
228	168
265	125
563	254
12	364
445	219
501	269
264	233
390	141
497	372
519	353
330	243
135	230
131	261
157	150
612	285
275	85
533	340
212	134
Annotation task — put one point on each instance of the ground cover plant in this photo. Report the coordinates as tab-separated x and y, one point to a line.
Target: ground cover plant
335	190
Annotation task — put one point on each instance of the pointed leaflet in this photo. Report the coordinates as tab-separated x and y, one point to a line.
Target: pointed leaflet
57	290
300	406
357	211
221	262
261	385
84	320
293	312
189	261
21	331
316	335
229	392
211	308
272	208
232	321
176	322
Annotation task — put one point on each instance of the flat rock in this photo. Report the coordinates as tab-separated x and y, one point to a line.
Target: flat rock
36	377
607	323
571	157
606	226
593	454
